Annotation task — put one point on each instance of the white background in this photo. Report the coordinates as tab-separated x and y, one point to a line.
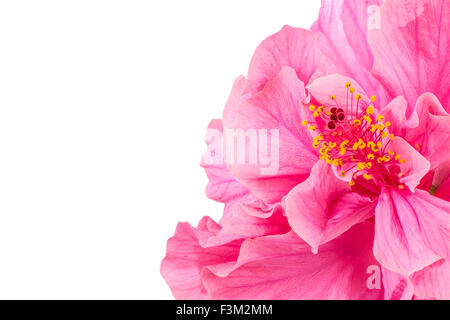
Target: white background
103	110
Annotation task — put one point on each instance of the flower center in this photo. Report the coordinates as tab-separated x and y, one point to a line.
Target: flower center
355	139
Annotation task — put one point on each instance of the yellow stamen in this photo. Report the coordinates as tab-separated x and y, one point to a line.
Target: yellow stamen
370	110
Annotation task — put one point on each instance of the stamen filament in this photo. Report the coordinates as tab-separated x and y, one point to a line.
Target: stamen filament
353	140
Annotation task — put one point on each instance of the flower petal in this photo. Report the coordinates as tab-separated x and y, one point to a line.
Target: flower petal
412	231
395	113
431	134
292	47
443	191
186	258
324	87
441	181
323	207
274	112
396	286
343	27
283	267
222	186
433	282
412	49
246	219
415	166
424	129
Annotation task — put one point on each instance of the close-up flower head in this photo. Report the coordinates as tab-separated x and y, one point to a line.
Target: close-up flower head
332	160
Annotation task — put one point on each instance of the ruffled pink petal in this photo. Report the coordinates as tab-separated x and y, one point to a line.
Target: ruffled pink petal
343	27
274	112
395	113
186	258
440	185
443	190
396	286
424	129
411	49
292	47
283	267
222	186
433	282
324	87
441	174
323	207
415	166
236	97
255	207
248	218
412	231
433	126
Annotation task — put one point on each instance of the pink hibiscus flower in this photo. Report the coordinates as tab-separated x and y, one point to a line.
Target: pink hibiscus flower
362	183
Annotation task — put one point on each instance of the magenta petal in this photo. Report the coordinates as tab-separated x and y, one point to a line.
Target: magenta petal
236	97
283	267
343	27
275	112
324	87
424	129
323	207
395	113
186	258
215	246
222	186
441	181
412	231
415	166
245	219
443	191
442	173
431	133
433	282
396	286
292	47
412	49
